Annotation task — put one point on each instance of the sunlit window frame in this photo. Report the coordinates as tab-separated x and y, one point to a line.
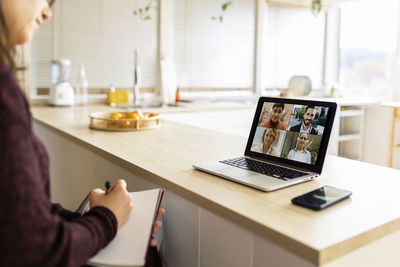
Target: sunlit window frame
330	73
335	64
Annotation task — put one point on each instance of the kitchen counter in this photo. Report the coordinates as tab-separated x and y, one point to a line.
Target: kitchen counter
164	157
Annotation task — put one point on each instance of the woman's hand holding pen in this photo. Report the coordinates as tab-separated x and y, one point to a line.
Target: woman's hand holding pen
117	199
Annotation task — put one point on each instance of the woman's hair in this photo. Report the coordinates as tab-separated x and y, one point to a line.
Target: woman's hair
274	132
7	48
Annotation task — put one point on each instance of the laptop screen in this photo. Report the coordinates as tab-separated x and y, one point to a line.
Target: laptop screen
294	132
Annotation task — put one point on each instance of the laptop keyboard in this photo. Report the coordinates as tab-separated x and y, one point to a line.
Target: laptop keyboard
264	168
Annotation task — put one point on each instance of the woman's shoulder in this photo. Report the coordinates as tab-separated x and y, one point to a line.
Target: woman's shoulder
5	70
8	83
291	154
274	152
12	99
256	147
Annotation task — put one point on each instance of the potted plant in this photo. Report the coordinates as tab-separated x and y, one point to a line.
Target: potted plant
316	6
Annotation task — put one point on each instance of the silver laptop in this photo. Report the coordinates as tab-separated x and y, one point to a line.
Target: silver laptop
286	146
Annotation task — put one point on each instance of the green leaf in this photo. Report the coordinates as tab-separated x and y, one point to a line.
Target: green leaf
140	10
147	18
221	19
316	6
226	5
134	12
147	8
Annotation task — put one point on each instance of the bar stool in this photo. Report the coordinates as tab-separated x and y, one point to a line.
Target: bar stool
395	106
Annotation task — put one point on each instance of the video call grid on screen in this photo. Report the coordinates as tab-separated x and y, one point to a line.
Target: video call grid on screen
290	131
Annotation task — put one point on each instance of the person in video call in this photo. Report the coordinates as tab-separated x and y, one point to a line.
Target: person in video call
300	152
305	126
274	120
268	139
33	230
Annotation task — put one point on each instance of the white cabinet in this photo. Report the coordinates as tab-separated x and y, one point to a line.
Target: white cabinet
351	131
348	131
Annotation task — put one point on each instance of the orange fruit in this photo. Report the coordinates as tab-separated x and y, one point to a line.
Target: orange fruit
132	115
152	115
141	115
116	115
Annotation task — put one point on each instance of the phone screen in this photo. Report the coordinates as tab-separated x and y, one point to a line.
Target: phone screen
321	197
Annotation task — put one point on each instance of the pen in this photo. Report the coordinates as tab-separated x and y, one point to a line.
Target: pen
84	206
108	186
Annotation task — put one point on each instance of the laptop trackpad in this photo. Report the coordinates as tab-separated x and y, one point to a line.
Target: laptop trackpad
236	172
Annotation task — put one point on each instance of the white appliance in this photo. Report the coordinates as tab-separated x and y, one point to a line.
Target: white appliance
61	91
299	86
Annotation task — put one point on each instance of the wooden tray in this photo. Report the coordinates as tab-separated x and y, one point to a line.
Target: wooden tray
102	121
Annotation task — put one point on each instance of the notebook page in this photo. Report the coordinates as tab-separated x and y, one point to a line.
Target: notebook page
129	246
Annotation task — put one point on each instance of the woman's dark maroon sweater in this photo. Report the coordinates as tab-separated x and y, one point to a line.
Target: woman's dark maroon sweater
33	231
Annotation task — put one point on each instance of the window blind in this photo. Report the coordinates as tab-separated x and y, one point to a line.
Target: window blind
211	54
102	35
293	45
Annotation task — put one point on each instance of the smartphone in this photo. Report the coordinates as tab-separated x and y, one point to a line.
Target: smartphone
321	198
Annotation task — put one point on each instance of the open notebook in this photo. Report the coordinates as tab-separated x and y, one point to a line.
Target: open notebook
129	247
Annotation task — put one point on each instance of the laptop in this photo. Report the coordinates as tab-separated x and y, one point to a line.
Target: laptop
287	145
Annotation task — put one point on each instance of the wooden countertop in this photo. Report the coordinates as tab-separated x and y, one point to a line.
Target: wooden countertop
165	156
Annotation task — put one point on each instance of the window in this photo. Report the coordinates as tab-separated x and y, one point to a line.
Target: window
367	47
293	45
214	55
102	35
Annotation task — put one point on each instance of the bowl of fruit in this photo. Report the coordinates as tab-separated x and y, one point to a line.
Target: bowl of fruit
124	121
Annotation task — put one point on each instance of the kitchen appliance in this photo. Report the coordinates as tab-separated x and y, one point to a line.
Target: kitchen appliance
299	86
61	91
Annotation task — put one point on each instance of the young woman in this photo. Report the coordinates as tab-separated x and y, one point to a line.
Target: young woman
33	231
300	152
268	138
